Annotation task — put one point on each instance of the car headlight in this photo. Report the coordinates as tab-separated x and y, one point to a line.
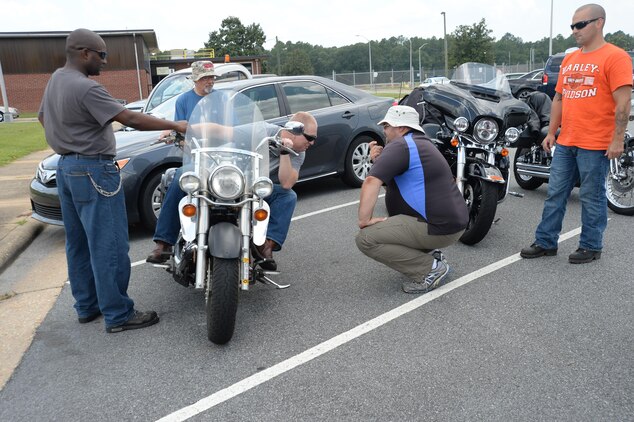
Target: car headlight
486	130
461	124
227	182
263	187
189	182
512	135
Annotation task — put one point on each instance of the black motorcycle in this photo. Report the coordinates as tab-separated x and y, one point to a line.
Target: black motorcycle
471	121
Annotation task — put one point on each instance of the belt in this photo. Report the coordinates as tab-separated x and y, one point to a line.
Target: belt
108	157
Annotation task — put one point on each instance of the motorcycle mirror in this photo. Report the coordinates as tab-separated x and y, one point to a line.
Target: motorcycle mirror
296	128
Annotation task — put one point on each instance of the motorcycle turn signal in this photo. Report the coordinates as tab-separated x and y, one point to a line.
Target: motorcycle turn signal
189	210
260	214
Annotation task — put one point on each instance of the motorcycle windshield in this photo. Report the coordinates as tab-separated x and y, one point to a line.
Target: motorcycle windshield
226	128
480	75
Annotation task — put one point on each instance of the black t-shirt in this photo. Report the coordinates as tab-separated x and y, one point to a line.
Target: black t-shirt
419	183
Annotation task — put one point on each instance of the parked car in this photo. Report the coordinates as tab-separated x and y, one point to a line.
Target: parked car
551	72
14	112
526	83
136	105
347	119
179	82
435	80
513	75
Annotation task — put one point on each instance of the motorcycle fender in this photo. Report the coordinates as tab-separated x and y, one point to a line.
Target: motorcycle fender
260	227
188	224
224	241
486	172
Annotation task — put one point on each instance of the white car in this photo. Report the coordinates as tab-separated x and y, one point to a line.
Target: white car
434	80
179	82
14	112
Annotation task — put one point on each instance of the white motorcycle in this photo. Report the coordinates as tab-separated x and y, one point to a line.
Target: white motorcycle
226	178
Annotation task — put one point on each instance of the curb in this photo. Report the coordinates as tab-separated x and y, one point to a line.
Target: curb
17	240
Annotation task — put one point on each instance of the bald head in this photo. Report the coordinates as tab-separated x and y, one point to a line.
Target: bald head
594	9
83	38
85	52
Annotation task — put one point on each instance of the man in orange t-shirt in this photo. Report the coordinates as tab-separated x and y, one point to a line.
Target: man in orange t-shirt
591	104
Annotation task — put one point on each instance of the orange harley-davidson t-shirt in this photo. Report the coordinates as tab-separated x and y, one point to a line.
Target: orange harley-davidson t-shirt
586	83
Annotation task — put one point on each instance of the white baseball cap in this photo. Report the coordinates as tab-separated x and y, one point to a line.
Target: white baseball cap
400	115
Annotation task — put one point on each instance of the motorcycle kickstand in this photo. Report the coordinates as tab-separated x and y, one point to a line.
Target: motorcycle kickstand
262	276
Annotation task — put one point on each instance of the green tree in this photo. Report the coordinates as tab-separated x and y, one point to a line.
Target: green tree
235	39
621	39
471	44
297	63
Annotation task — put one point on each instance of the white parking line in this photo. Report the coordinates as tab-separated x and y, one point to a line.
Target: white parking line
329	345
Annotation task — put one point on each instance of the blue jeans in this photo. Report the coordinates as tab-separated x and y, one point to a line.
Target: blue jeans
97	246
282	202
168	224
590	168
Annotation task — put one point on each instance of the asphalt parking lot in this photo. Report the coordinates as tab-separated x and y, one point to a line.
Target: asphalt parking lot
506	339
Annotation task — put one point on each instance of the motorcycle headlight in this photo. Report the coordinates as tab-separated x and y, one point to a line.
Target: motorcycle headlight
512	135
227	182
189	182
461	124
486	130
263	187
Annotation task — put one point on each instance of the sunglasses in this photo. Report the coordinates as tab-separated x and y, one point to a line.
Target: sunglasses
102	54
583	24
310	138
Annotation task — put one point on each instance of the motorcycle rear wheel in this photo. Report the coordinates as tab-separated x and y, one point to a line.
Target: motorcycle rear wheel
620	190
222	299
481	198
525	182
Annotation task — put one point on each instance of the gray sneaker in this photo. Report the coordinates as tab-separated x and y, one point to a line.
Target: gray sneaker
431	280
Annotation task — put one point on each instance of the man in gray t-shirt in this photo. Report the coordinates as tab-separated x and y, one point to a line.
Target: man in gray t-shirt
76	113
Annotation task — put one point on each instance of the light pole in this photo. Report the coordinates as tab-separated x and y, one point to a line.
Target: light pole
420	68
370	57
411	69
444	23
550	42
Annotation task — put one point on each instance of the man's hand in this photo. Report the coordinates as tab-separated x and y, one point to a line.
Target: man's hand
615	149
548	142
371	221
375	150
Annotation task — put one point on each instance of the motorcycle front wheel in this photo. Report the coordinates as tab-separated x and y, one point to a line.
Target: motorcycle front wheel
223	286
620	186
481	198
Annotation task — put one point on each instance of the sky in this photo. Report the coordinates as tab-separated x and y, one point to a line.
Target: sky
187	24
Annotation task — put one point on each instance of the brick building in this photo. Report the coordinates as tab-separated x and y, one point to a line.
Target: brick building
29	58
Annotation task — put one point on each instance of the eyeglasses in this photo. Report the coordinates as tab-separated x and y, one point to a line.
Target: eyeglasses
310	138
102	54
582	24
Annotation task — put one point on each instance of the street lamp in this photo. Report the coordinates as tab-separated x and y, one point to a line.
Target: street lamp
411	69
444	22
370	57
420	68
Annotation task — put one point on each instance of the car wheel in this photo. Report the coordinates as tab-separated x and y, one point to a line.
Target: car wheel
150	201
358	162
523	93
1	117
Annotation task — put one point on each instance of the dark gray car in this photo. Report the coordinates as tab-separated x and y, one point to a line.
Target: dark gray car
347	119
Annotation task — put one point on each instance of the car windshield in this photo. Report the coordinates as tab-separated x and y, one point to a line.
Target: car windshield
481	75
168	88
226	128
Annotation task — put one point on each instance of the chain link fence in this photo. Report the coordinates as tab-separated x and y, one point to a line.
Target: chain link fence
400	79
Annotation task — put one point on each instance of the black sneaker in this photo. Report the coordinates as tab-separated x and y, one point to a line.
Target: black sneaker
535	251
582	256
138	320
